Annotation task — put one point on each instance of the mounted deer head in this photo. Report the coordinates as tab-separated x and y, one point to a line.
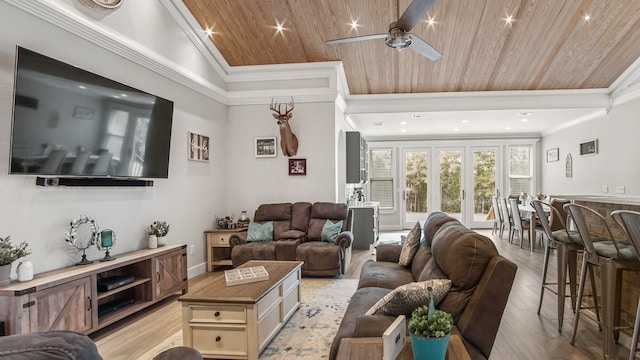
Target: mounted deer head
288	140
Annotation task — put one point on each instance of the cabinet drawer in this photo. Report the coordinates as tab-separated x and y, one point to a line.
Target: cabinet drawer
291	281
219	239
219	340
227	314
290	302
268	302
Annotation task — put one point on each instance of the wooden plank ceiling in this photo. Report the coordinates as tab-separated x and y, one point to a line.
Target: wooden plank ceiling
548	46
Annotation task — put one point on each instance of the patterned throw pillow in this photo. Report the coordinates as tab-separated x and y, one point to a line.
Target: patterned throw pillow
410	246
330	231
406	298
260	232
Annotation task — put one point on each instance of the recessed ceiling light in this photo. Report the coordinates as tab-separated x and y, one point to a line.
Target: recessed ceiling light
508	128
431	22
586	17
417	116
403	130
279	27
524	119
378	123
465	121
354	24
403	123
508	20
82	87
123	95
525	113
456	129
209	31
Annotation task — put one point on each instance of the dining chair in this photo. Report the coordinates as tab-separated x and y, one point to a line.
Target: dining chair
612	256
498	224
506	218
568	244
77	168
102	164
53	163
630	223
519	226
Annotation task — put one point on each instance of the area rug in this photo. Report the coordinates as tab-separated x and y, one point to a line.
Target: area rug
310	331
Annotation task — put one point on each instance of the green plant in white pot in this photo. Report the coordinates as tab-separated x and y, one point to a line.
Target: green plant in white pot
430	330
8	254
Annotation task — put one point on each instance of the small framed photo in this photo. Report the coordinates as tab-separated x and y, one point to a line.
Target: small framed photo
83	113
553	155
197	147
266	147
589	148
297	166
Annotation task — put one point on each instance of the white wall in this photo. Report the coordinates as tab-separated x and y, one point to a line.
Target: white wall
40	215
253	181
616	164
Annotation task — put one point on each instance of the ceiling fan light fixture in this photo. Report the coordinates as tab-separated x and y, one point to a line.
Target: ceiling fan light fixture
398	39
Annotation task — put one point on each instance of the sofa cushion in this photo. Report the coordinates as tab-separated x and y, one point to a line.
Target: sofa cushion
388	275
434	222
462	255
420	259
318	255
330	231
260	232
323	211
300	216
48	345
406	298
260	250
410	246
280	214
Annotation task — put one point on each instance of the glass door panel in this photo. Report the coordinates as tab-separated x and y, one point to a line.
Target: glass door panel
484	172
450	181
416	191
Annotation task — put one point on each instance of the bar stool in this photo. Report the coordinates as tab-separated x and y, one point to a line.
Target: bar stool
498	224
568	244
630	223
611	256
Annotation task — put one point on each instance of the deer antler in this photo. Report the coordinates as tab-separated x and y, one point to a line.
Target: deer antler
275	107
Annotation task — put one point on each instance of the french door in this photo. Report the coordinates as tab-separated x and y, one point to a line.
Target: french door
458	181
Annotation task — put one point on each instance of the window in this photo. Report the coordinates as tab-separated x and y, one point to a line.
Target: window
520	169
381	179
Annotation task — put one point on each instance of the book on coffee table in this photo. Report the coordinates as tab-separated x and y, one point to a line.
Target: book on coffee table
245	275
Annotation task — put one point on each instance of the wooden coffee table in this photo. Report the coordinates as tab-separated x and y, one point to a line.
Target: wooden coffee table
370	348
237	322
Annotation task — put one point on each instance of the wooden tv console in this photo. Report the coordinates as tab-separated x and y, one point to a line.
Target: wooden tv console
69	299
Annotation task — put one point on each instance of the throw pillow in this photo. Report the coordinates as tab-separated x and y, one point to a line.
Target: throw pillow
410	246
260	232
330	231
406	298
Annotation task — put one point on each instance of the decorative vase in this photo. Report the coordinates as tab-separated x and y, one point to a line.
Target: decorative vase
429	348
162	240
153	241
5	275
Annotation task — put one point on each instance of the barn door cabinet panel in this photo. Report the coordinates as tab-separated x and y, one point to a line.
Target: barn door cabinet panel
71	298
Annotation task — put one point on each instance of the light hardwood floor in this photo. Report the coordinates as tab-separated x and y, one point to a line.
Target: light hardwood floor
523	334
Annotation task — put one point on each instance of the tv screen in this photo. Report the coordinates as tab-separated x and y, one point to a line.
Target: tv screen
71	122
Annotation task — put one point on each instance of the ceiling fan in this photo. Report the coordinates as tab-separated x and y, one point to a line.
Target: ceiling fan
399	36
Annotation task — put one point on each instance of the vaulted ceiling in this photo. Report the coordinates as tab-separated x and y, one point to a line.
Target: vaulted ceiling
548	45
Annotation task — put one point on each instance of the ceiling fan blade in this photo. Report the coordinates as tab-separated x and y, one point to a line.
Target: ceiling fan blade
414	13
357	38
423	48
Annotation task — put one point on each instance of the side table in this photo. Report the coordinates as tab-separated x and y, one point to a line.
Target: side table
218	248
371	348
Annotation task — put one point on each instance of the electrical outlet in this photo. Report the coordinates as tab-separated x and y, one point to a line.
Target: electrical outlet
605	189
619	189
192	249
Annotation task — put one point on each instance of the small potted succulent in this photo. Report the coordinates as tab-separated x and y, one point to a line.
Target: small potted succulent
430	330
159	229
8	254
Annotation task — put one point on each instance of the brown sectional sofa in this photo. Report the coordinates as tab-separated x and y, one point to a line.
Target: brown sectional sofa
481	283
297	229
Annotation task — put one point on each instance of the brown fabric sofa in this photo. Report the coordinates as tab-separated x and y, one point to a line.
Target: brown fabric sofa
297	229
481	283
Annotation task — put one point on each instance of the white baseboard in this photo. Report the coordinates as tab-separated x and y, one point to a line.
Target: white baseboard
196	270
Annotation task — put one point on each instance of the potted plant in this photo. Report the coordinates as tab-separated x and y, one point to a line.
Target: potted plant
430	330
8	254
158	230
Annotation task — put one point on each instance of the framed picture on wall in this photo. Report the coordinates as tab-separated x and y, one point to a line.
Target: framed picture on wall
198	146
553	155
297	166
589	148
266	147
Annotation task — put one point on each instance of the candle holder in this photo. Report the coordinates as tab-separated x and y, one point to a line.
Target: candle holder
106	240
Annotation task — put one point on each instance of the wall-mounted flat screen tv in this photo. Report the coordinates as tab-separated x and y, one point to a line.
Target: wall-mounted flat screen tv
71	122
